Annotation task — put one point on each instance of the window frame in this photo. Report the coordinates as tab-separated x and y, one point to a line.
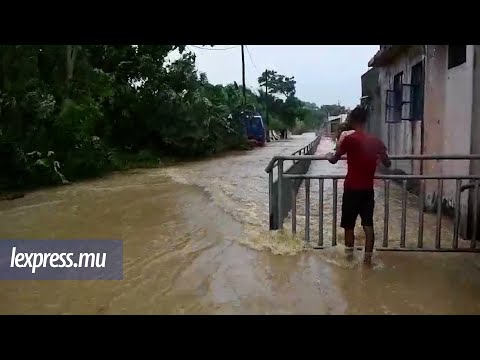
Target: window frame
406	106
390	107
398	95
394	100
418	107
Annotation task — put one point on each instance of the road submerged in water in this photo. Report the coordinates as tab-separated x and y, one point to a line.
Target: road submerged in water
196	242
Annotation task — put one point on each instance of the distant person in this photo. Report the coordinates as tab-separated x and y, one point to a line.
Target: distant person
363	151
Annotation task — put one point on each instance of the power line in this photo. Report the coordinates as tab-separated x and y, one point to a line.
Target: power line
203	48
251	57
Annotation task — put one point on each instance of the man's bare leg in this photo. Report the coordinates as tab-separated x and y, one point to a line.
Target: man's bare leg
369	242
349	242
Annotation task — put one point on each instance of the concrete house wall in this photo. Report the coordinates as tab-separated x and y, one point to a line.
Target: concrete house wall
403	137
449	110
451	119
475	134
371	93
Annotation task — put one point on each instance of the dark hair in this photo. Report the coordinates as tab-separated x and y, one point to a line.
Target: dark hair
358	115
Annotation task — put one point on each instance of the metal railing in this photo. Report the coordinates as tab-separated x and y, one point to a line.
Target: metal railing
277	204
402	179
303	152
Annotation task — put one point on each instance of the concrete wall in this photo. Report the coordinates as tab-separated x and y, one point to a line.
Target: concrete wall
403	137
434	113
458	114
451	119
448	123
376	113
434	108
475	134
457	127
449	109
371	88
369	82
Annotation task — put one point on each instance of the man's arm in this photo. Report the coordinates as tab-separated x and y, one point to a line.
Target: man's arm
340	151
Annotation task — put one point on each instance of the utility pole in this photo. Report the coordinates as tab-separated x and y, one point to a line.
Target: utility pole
243	77
266	105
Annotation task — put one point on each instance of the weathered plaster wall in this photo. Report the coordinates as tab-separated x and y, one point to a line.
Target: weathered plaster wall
404	137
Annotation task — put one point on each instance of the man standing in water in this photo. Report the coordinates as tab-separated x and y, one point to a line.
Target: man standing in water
362	152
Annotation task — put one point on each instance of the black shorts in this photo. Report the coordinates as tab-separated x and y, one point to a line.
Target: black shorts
357	202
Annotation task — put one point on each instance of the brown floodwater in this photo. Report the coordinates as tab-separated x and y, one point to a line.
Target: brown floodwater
196	242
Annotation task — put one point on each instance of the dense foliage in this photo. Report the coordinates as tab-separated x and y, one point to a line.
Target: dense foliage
68	111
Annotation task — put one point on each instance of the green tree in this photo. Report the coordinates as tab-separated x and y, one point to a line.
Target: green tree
73	111
277	84
285	108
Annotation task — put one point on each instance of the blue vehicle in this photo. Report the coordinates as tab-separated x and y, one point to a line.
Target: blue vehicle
255	128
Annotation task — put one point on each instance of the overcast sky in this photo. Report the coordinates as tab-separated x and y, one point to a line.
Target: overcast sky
324	74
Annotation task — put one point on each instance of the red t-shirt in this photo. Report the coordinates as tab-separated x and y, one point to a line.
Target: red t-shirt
363	151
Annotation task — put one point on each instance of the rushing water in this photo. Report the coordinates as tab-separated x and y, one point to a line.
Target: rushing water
195	242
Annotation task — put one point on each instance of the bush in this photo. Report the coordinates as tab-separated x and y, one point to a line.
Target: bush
13	166
44	169
65	108
88	158
125	161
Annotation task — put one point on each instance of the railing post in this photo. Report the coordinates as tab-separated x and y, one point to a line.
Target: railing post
280	184
320	212
404	214
307	211
270	199
439	215
457	214
421	204
473	241
334	210
386	209
294	211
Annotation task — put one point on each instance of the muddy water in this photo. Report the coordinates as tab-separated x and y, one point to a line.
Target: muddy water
195	243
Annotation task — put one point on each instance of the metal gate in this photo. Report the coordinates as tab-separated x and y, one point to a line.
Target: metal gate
462	183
